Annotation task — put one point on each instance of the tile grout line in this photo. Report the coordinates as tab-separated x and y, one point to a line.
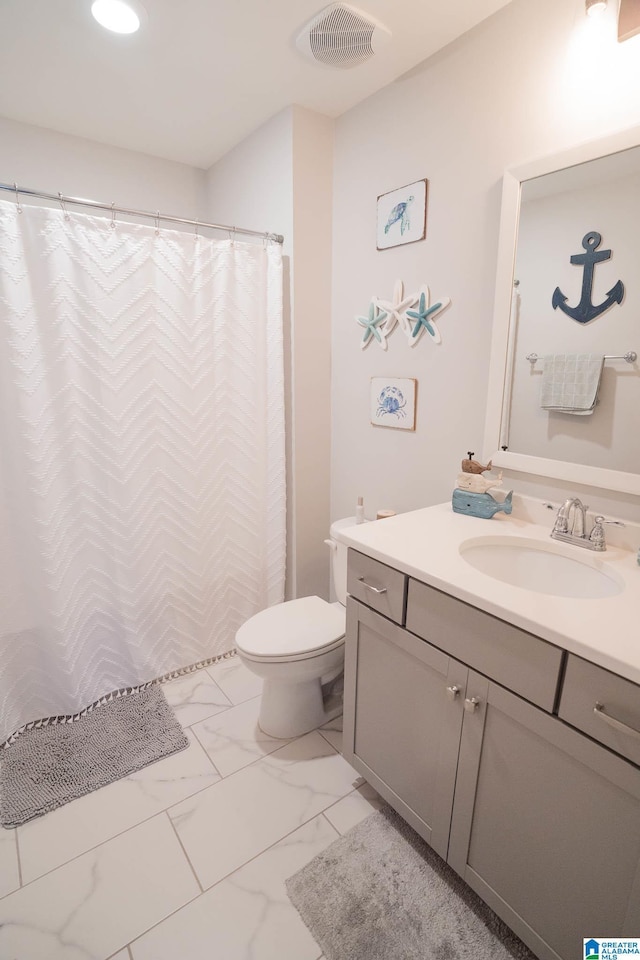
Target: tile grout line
166	811
121	833
206	753
323	814
329	741
139	822
223	776
223	691
19	862
251	859
112	955
274	844
263	756
332	805
182	847
115	835
206	890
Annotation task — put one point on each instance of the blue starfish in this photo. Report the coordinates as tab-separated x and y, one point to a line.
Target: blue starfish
370	325
421	316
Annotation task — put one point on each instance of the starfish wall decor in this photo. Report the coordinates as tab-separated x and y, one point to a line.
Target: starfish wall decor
372	326
384	315
423	317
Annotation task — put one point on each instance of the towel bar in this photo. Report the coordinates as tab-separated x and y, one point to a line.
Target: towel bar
631	356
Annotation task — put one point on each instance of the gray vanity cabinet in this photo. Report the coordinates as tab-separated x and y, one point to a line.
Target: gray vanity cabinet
403	719
541	820
545	826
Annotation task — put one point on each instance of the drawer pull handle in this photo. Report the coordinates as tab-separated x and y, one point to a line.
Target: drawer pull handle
371	587
471	704
616	724
452	692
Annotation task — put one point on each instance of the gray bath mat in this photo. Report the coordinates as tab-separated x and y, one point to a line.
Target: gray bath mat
52	765
381	893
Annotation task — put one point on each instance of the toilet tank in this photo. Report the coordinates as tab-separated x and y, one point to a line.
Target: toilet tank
339	557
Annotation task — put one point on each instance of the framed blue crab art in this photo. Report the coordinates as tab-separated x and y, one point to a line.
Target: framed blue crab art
393	402
402	215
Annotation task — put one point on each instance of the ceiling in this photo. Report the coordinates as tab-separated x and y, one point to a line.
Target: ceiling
201	74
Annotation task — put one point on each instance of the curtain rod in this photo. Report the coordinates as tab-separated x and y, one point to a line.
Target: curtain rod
112	208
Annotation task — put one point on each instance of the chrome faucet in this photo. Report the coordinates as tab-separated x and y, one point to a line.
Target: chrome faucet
570	526
571	521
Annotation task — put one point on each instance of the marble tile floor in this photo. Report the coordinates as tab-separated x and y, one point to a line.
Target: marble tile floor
186	859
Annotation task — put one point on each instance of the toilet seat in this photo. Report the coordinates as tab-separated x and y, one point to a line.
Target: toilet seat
295	630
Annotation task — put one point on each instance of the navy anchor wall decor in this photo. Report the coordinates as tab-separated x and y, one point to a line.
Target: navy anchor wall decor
586	309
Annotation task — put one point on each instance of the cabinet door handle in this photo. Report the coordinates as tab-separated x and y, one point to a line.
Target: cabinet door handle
612	722
452	692
369	586
471	704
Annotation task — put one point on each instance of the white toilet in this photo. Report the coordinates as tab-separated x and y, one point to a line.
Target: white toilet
297	648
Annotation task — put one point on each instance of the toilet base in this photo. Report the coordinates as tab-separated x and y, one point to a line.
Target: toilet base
288	710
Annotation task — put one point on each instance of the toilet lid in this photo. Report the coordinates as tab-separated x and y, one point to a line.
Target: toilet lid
297	627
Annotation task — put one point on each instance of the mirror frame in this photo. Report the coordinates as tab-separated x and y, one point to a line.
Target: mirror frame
499	367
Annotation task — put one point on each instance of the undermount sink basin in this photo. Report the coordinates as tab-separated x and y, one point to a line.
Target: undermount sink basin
541	567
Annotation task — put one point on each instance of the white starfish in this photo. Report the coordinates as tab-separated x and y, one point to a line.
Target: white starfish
395	308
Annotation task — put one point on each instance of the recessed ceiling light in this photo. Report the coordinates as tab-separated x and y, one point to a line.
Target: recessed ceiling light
116	15
595	7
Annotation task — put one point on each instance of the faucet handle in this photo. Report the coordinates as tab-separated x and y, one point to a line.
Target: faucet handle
597	533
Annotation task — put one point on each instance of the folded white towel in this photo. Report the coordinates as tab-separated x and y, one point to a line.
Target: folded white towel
570	382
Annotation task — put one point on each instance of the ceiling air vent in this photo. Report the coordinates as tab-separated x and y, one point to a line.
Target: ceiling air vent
341	36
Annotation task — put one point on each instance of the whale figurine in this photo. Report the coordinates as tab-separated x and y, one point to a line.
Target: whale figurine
473	466
476	483
479	504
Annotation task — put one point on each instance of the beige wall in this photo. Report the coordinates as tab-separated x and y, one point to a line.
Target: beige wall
279	179
535	78
57	163
312	192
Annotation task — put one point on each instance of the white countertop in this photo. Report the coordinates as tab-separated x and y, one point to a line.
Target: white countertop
425	544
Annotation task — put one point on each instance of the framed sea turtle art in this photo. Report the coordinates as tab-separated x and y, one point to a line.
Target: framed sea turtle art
402	215
393	402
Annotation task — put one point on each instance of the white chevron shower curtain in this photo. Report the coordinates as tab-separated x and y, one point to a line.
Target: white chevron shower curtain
142	474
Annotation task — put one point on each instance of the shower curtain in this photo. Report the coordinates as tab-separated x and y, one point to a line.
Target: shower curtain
142	473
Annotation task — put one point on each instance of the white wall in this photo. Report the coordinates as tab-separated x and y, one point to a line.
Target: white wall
279	180
535	78
312	194
251	186
56	163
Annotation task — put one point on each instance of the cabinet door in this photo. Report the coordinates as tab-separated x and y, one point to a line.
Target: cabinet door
546	825
402	720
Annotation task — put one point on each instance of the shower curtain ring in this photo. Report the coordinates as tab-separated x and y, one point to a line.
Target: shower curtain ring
196	235
18	204
62	207
157	220
113	216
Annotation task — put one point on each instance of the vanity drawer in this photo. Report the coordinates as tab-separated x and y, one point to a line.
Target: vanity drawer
378	586
617	724
512	657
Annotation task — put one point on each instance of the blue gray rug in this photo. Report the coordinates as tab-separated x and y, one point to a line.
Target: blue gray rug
381	893
47	767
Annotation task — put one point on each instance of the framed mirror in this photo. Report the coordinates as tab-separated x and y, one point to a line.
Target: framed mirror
567	288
